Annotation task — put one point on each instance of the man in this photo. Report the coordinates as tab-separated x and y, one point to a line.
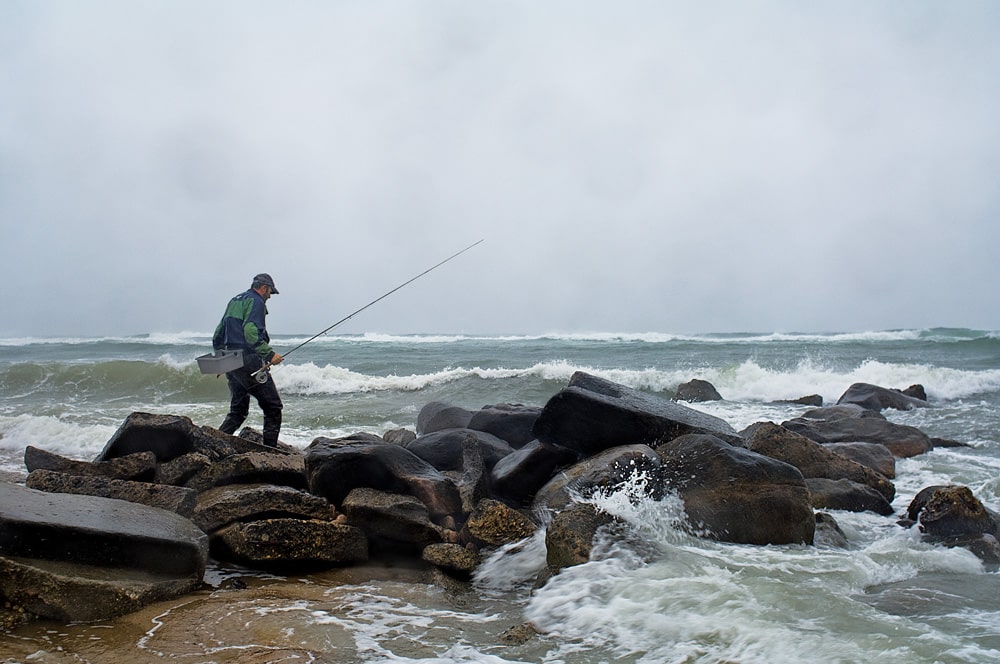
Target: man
242	328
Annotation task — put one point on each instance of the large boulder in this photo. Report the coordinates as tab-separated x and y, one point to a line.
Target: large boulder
518	476
140	466
295	544
902	440
443	449
592	414
252	468
813	459
878	398
438	415
234	503
846	495
872	455
734	495
392	521
508	421
493	523
602	472
74	557
953	516
569	538
173	498
334	467
696	390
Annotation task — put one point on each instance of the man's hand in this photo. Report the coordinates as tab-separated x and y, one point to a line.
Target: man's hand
277	359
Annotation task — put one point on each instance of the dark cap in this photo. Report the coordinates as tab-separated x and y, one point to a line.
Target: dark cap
265	279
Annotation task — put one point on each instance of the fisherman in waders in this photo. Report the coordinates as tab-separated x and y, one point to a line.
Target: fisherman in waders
242	328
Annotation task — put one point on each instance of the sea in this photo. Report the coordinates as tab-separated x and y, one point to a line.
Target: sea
658	594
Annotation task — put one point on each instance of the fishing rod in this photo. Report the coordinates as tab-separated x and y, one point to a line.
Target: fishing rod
261	374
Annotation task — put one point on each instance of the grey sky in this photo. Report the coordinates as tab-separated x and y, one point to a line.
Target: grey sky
632	166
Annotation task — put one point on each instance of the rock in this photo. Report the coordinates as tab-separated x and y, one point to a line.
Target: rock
814	460
915	391
872	455
810	400
233	503
472	479
847	410
438	415
903	441
172	498
290	544
518	476
252	468
569	538
452	558
140	466
167	436
84	558
828	532
696	390
946	442
605	471
443	449
391	521
843	494
91	530
336	466
179	471
518	635
593	414
493	523
946	512
734	495
510	422
399	436
878	398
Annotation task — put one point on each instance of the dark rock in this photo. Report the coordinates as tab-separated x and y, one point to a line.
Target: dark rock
493	523
734	495
172	498
814	460
846	495
916	391
593	414
179	471
225	505
810	400
167	436
335	467
842	411
392	521
518	476
946	512
443	449
472	479
90	530
696	390
452	558
878	398
903	441
290	544
569	538
518	635
140	466
604	471
873	455
399	436
252	468
828	532
438	415
510	422
945	442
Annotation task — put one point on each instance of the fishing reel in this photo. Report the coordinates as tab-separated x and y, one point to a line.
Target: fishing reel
262	374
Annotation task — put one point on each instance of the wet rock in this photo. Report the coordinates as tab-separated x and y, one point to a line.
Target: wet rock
334	467
140	466
172	498
518	476
179	471
518	635
592	414
734	495
393	522
252	468
814	460
847	410
605	471
903	441
828	532
290	544
224	505
438	415
443	449
945	512
697	390
569	538
846	495
493	523
871	455
809	400
878	398
509	422
399	436
452	558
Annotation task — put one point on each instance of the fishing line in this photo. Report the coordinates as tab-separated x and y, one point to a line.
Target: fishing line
262	372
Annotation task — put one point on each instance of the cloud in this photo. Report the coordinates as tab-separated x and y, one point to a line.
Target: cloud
647	166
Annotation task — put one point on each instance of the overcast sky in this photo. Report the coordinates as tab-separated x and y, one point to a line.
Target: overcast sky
632	166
